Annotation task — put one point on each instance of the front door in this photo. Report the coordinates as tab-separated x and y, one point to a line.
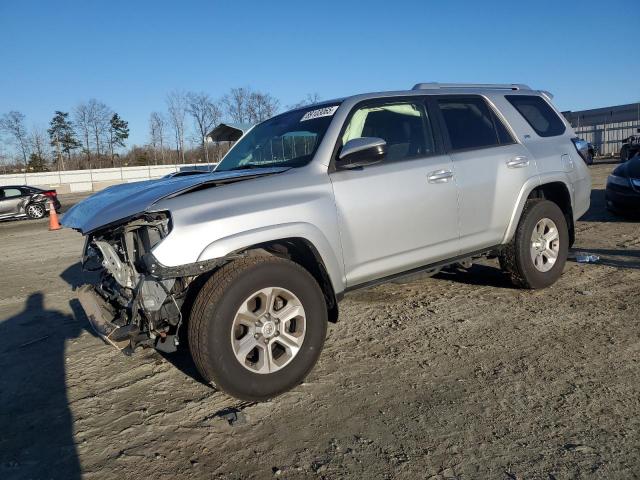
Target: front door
401	213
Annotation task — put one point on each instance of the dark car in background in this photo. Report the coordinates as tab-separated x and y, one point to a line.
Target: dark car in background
592	152
623	187
630	147
24	201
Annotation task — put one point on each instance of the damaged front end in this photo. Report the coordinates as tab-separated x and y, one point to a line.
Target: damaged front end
131	305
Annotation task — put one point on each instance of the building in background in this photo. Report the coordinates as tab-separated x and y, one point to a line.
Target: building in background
605	128
228	132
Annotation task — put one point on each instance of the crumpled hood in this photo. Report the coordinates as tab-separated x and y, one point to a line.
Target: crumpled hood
128	199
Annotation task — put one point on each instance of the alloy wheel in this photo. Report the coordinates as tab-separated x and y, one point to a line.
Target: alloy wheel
268	330
545	245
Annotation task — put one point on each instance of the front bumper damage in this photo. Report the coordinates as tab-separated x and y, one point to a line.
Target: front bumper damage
100	315
136	301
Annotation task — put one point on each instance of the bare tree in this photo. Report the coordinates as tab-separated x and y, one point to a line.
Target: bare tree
261	106
177	106
157	127
38	140
99	116
236	104
82	120
4	159
12	124
205	115
309	99
244	105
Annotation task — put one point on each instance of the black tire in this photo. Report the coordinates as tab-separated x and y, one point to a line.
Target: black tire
35	210
516	258
211	322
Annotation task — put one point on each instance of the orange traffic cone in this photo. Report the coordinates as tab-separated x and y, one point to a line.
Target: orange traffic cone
54	224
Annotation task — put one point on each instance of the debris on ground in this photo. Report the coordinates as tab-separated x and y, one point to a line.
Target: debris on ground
585	258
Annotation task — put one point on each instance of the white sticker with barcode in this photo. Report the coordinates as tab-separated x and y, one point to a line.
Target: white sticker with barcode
321	112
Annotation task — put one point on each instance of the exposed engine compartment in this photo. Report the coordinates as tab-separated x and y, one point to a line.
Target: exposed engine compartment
129	305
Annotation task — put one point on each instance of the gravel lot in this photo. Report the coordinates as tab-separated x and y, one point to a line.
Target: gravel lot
459	377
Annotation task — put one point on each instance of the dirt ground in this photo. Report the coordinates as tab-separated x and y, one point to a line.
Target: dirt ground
454	377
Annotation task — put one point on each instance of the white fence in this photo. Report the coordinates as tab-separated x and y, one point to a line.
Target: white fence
607	137
92	180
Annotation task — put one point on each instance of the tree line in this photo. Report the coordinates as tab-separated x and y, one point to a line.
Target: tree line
92	135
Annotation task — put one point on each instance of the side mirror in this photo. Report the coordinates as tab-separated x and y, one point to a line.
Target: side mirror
360	152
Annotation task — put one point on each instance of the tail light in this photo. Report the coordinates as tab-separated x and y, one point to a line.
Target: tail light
582	146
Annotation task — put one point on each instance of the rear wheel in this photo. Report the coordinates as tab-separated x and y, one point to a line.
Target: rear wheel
35	210
536	256
257	327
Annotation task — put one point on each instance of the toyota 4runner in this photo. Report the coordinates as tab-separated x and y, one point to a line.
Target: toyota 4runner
247	264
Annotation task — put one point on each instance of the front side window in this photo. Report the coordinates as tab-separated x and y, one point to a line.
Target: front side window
471	124
401	125
538	114
287	140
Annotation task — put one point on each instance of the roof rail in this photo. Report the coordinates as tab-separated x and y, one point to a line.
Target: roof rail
486	86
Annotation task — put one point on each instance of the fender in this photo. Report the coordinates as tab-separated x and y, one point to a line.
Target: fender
525	191
309	232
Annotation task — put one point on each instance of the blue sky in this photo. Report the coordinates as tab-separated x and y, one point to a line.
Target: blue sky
129	54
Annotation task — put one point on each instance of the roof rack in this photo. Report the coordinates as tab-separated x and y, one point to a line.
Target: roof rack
486	86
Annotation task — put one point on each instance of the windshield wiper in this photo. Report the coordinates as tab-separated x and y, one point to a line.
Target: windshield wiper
246	166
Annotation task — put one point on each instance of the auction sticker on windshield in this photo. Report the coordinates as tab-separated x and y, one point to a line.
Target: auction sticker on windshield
321	112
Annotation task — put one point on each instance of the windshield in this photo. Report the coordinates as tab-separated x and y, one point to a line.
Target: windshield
288	140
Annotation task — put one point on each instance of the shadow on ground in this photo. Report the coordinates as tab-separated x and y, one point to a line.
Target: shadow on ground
598	211
75	276
482	275
35	420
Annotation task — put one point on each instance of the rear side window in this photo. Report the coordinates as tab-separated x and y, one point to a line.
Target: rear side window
537	112
12	192
471	124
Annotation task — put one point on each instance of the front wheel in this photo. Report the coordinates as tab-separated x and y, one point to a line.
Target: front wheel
35	210
257	327
536	256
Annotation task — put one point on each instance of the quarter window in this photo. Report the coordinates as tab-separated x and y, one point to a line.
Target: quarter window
537	112
471	124
401	125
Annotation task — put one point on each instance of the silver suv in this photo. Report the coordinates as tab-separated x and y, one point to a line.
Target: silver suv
248	263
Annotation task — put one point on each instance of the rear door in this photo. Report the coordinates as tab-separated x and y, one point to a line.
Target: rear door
489	165
401	213
10	200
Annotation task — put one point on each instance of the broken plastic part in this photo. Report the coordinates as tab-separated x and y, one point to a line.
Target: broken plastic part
584	258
